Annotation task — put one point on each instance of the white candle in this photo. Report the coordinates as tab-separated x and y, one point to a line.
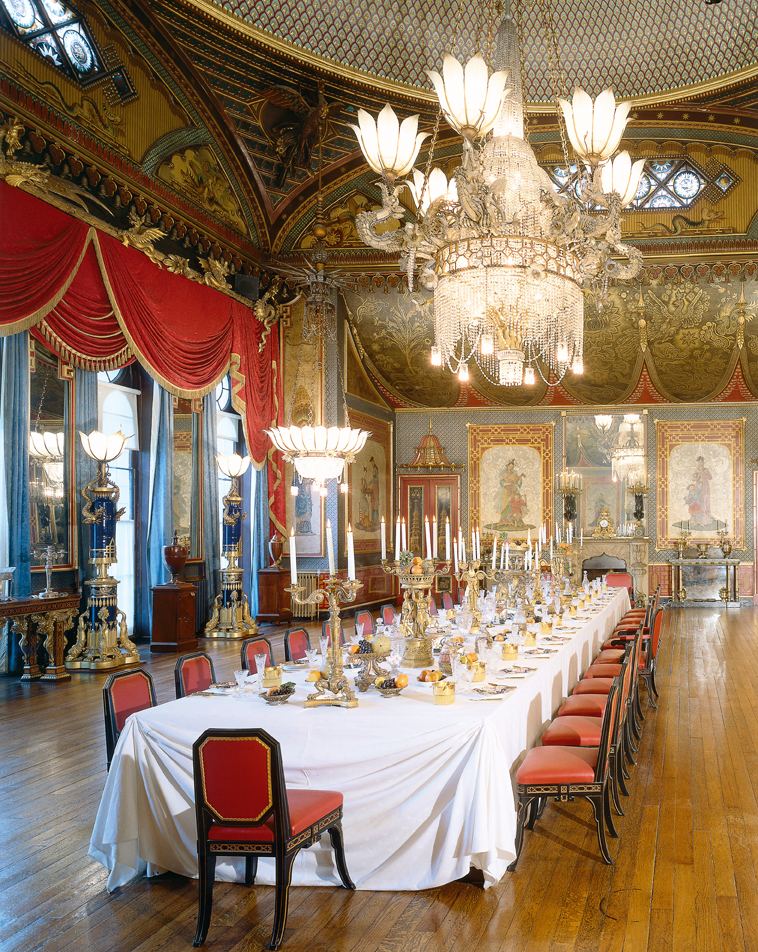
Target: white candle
557	532
455	555
478	543
447	540
427	537
397	538
383	530
529	537
494	551
330	546
435	540
473	543
350	554
293	558
551	548
581	537
503	550
462	550
403	538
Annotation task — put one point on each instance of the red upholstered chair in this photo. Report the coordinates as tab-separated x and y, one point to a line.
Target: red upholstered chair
193	672
447	601
250	648
649	657
621	580
296	643
366	619
387	614
432	605
124	693
326	631
244	809
569	772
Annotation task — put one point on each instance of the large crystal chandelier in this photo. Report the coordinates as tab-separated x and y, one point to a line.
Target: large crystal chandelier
508	258
628	455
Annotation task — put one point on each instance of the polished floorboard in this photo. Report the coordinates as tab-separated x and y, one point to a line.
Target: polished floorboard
685	862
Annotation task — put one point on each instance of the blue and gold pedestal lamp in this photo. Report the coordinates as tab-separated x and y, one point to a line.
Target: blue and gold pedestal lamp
231	615
102	641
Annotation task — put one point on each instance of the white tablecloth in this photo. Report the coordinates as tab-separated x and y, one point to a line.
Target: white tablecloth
428	790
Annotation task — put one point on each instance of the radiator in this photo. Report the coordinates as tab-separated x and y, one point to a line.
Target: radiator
309	580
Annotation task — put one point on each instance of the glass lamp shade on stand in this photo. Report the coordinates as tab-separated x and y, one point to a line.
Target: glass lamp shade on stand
230	617
102	641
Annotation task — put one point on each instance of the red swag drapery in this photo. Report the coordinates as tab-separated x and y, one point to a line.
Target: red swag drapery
99	304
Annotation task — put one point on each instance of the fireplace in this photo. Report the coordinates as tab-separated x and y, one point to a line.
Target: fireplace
598	565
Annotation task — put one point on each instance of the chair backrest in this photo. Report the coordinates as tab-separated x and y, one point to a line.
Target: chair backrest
193	672
296	643
447	601
608	731
239	780
251	647
326	631
619	580
124	693
432	605
655	635
387	613
366	619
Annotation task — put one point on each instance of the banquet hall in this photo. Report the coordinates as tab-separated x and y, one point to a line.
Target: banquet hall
378	381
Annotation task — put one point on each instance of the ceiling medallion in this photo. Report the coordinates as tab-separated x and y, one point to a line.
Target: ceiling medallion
507	256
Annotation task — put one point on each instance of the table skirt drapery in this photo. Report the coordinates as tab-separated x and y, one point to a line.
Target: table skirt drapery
429	791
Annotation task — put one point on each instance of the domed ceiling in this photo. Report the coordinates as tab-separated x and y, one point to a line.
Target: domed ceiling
637	46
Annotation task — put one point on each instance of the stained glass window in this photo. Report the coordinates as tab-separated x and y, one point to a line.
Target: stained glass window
60	34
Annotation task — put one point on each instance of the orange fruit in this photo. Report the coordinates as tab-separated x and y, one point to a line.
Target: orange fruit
457	640
424	676
417	560
354	649
471	657
416	570
401	680
435	676
313	676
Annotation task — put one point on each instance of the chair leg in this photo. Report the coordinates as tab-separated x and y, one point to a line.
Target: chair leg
338	845
541	804
284	863
628	750
524	808
597	806
608	812
615	781
207	870
251	869
638	705
535	812
652	681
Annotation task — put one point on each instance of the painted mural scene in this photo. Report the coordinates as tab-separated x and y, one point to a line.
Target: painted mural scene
378	475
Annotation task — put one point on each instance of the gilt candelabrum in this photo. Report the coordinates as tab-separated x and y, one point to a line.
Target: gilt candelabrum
725	544
414	613
333	688
639	490
102	641
681	543
471	574
230	617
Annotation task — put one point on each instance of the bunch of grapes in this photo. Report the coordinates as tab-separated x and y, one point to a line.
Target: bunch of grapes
364	647
287	688
387	683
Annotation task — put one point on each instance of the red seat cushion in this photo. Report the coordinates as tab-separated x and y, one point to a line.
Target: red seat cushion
573	731
602	671
583	705
306	806
558	765
610	656
593	686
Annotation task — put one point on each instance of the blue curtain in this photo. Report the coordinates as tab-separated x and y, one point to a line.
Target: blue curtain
160	524
14	407
260	558
85	411
211	528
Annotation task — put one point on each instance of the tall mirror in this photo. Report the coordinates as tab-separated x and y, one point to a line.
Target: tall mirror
185	473
50	459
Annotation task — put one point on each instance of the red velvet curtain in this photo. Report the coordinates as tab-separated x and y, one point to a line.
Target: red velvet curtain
100	304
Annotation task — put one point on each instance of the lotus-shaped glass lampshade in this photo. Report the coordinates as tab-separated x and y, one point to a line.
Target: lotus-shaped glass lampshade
46	445
318	452
234	465
470	98
101	447
437	187
603	421
595	129
622	176
389	146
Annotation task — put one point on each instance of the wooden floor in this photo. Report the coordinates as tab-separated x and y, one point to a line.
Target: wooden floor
685	863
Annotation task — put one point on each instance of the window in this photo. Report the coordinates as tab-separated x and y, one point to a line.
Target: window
224	396
227	437
117	410
59	33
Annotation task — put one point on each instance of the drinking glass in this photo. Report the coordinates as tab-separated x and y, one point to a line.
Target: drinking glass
260	667
455	665
324	645
240	678
311	654
359	630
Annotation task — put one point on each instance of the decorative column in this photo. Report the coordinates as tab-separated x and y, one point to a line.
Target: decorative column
102	641
231	614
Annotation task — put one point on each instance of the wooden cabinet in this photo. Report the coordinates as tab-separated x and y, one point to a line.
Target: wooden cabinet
274	603
173	628
430	496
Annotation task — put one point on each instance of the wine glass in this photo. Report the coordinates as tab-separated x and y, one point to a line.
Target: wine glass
311	654
240	677
359	630
455	666
324	645
260	667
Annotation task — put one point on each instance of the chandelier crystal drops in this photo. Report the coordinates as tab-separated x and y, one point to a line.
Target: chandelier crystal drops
628	455
506	256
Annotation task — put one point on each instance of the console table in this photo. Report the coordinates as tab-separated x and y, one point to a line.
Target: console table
51	617
703	585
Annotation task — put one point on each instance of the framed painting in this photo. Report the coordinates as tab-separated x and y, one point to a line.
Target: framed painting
700	481
510	478
370	485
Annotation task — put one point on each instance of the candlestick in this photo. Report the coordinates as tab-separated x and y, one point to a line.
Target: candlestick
435	539
462	550
494	551
293	558
447	539
350	554
330	546
397	537
455	555
427	538
503	550
383	530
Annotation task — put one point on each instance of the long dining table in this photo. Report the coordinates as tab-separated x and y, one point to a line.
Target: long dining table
428	790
